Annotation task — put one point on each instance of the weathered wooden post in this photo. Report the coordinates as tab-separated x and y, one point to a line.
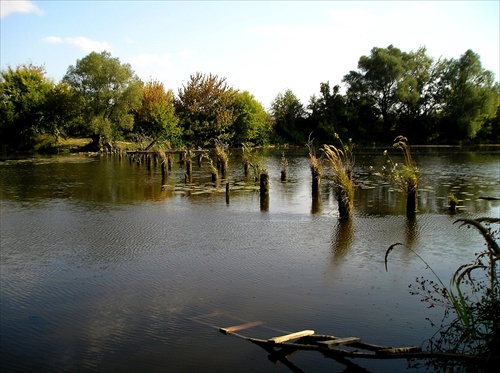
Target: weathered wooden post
284	164
246	168
169	161
452	203
264	183
189	170
163	169
227	193
411	199
264	191
316	203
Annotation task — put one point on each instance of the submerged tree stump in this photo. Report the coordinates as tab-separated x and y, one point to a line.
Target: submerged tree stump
284	176
411	199
264	183
246	168
316	180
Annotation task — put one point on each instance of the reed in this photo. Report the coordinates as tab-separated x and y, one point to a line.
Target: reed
404	176
316	166
452	203
222	153
471	303
341	162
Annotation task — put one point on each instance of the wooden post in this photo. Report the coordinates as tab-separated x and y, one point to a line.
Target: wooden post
246	168
316	203
189	170
169	162
264	183
283	176
163	171
227	193
316	180
411	199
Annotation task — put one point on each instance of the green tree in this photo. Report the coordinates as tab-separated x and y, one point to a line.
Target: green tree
156	117
328	114
288	113
471	97
252	123
108	92
25	92
205	109
378	81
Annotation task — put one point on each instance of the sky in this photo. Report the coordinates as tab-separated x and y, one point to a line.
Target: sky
264	47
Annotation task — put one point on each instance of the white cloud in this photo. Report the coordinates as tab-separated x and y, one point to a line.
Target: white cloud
81	42
19	6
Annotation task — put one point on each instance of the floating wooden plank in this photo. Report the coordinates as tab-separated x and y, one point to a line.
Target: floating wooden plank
240	327
288	337
341	341
400	350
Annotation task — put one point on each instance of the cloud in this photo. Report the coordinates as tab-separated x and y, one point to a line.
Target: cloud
81	42
19	6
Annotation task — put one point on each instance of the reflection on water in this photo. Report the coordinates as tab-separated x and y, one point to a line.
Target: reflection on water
105	264
343	236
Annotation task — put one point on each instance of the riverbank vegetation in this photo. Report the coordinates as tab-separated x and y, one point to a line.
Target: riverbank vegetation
468	337
433	101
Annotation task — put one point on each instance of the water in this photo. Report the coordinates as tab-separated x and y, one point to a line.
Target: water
107	267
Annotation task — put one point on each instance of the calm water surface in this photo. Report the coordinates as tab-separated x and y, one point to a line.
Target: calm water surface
107	267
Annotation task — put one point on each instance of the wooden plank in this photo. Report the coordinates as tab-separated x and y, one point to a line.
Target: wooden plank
240	327
341	341
401	350
291	336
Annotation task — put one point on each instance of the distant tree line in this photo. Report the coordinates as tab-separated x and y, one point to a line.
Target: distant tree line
445	101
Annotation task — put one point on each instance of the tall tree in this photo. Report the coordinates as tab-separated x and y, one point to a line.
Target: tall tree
24	92
288	113
328	114
156	116
205	108
252	123
378	81
471	97
108	92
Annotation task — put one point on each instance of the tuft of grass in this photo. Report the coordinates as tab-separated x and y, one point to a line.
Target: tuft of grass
316	164
341	162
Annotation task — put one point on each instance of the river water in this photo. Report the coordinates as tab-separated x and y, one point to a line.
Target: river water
105	266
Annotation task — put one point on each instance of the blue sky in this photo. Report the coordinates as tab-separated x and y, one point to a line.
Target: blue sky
264	47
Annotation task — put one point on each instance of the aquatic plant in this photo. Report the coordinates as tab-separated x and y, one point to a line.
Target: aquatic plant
316	166
471	323
404	176
252	160
341	162
222	153
452	202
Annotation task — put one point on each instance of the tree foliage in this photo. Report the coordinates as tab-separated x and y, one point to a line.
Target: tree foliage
156	117
205	108
471	97
288	113
108	92
252	123
25	101
328	114
391	92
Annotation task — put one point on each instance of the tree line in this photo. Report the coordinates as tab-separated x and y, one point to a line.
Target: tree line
443	101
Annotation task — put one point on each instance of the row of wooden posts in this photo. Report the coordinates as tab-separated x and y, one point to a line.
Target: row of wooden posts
165	160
